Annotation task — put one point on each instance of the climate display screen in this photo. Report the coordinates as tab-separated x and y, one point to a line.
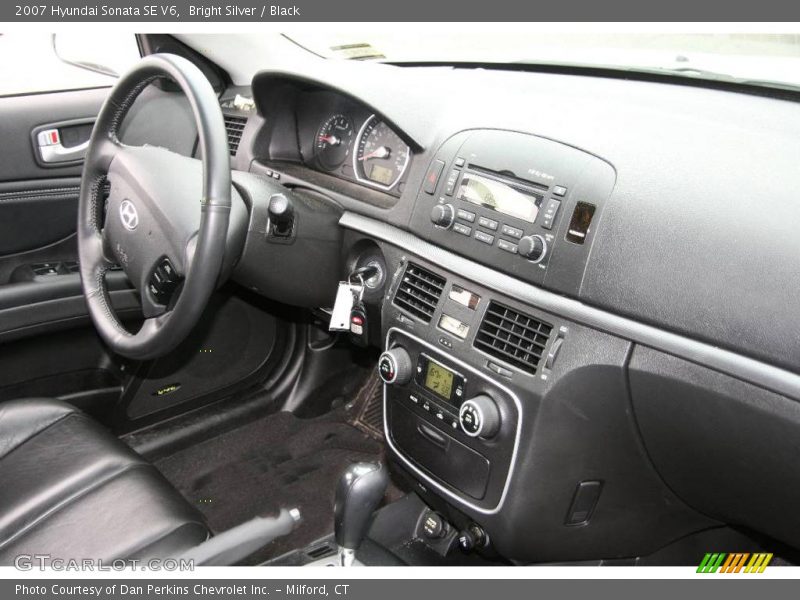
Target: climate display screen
439	380
500	196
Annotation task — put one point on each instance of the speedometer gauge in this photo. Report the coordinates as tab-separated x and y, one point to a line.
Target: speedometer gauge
381	156
332	144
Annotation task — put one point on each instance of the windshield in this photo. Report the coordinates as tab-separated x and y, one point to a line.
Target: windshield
758	59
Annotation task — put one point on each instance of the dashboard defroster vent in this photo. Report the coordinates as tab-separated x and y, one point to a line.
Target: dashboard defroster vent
235	127
419	292
512	336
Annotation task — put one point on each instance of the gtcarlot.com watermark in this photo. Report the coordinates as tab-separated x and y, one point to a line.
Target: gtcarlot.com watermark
30	562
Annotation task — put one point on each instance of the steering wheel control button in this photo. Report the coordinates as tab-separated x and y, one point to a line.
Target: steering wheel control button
434	526
532	247
163	282
432	178
395	366
480	417
443	215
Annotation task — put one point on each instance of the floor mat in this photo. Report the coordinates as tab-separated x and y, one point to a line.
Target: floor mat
280	461
370	398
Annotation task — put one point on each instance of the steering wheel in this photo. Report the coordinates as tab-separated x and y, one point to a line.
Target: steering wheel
165	218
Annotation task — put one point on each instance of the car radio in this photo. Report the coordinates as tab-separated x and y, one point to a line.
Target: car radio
516	202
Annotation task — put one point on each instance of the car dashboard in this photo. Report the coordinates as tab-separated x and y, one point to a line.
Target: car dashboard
581	291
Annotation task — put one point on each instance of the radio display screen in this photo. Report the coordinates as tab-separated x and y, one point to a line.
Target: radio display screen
500	196
439	380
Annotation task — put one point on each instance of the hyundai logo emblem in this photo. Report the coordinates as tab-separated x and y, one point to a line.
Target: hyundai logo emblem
128	214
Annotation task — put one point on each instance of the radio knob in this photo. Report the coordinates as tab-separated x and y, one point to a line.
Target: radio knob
443	215
395	366
532	247
480	417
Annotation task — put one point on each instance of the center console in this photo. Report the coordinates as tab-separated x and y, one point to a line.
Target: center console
509	419
449	421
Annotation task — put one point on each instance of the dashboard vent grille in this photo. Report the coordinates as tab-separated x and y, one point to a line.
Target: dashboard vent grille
419	292
234	126
512	337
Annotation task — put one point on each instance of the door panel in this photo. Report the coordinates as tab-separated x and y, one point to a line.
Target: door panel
35	214
48	345
21	115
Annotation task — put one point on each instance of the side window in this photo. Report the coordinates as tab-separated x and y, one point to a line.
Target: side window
42	62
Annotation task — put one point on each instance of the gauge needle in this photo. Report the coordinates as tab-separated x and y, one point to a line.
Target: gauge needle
382	152
331	139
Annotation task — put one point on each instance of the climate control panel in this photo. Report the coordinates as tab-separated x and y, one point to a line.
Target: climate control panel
450	423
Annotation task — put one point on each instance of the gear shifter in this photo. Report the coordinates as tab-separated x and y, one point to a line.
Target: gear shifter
361	488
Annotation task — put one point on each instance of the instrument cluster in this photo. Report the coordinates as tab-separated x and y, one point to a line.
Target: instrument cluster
346	139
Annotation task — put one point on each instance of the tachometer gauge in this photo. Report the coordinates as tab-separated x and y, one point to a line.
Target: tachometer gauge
332	144
381	156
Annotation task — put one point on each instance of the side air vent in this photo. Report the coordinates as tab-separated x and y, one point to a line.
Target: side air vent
512	337
234	127
419	292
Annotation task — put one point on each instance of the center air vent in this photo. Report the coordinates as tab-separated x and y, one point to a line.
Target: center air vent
234	127
419	292
512	337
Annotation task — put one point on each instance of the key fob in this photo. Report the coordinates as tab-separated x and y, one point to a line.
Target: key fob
359	330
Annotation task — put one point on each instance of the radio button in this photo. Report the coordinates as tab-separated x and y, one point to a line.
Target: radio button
507	246
550	212
465	215
511	232
533	247
451	182
560	190
443	215
488	223
484	237
460	161
462	229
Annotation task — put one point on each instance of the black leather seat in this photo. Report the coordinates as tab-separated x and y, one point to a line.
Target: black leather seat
71	490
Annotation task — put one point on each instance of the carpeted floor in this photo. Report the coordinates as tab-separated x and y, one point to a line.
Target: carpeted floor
280	461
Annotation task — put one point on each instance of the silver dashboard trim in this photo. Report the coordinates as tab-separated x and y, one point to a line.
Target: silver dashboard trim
420	473
741	367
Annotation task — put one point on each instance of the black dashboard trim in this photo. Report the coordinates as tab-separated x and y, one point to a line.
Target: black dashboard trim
741	367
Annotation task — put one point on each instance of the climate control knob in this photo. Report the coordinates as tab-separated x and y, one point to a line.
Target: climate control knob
532	247
443	215
480	417
395	366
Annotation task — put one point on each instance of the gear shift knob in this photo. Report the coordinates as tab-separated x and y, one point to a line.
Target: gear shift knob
358	493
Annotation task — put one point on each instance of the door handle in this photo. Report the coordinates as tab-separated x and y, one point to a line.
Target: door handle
62	143
51	150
